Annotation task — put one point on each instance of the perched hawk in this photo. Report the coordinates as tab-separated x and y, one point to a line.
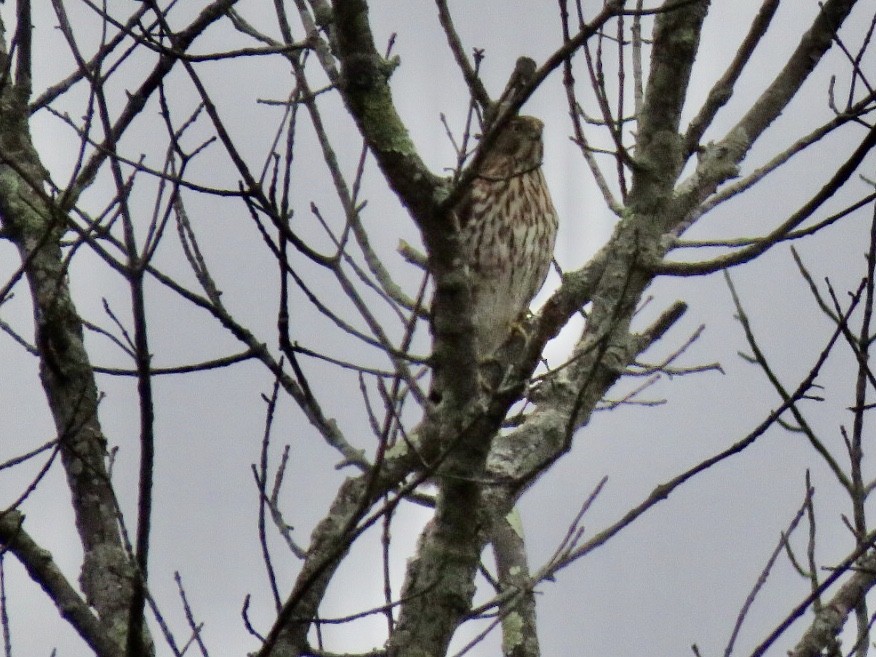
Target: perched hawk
508	228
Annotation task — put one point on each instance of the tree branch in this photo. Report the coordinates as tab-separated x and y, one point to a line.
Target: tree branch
43	570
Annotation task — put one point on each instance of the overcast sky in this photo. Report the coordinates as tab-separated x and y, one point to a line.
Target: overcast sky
677	577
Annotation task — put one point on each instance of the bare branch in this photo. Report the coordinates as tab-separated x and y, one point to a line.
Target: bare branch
43	570
722	90
476	87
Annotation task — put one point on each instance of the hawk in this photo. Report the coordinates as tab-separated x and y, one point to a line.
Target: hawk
508	226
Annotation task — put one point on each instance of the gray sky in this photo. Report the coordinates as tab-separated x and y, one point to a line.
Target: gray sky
678	576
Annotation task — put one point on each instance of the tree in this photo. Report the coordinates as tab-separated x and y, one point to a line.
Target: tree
162	179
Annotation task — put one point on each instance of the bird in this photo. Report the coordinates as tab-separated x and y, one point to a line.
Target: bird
507	228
